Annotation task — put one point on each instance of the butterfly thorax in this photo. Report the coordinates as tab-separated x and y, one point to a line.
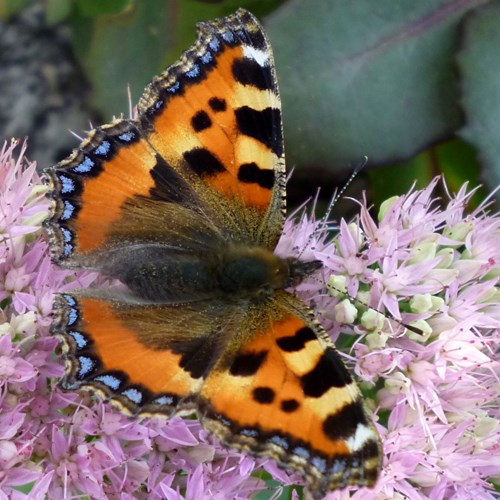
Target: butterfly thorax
156	273
251	272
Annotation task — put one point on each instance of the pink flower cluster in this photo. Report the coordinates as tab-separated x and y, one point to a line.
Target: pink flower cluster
435	386
433	389
55	444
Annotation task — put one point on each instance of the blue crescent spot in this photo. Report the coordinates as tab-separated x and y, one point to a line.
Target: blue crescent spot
134	395
68	210
85	166
69	300
282	442
66	234
86	365
301	452
67	184
80	340
110	381
206	58
249	432
225	421
172	90
164	400
68	249
319	463
193	72
337	467
72	317
214	44
228	37
103	148
126	136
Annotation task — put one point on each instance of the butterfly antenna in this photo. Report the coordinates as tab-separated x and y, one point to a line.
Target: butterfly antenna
323	223
338	194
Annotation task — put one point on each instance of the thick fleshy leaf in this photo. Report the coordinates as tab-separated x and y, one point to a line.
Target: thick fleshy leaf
366	78
479	64
121	49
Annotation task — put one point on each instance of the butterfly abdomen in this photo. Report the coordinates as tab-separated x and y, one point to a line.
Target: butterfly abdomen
156	273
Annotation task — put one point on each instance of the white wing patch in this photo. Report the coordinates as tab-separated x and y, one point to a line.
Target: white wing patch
259	56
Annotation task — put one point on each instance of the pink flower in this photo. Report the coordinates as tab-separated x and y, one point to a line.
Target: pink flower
434	393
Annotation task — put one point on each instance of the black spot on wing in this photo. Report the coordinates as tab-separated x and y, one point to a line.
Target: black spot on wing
246	365
370	450
217	104
343	424
197	356
329	372
203	162
264	126
251	173
250	72
201	121
296	342
289	405
263	395
169	185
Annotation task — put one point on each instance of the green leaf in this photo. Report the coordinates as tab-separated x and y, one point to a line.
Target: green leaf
397	179
120	50
479	64
102	7
9	8
57	11
458	163
366	78
454	159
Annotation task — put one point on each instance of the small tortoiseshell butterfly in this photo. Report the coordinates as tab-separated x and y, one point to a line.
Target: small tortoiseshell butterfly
185	205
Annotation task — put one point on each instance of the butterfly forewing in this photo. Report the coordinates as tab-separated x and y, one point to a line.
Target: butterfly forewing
219	123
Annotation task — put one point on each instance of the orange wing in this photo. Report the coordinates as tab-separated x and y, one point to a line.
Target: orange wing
216	114
105	355
147	359
287	395
207	139
284	393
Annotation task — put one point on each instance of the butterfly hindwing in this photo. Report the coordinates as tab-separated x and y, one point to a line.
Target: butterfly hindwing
287	395
148	359
103	353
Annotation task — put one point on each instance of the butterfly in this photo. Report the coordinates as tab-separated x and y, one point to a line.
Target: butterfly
184	205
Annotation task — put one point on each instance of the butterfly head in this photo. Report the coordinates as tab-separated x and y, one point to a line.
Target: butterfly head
256	272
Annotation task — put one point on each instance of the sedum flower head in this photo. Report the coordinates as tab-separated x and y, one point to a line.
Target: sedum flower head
433	388
423	277
56	444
